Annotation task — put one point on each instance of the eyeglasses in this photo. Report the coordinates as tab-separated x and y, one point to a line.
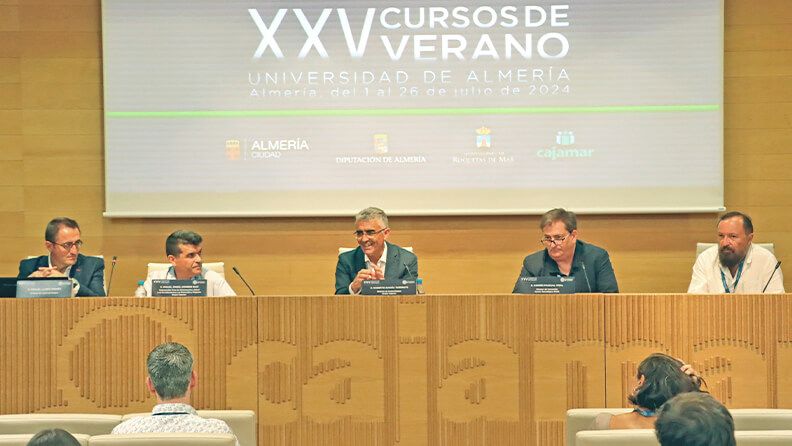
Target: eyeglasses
551	241
69	245
367	232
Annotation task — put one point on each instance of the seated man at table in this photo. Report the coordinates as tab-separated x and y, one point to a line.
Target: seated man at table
735	264
184	251
171	379
374	258
694	419
62	240
564	255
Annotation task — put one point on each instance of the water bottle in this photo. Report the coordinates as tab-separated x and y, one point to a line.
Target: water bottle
419	286
141	290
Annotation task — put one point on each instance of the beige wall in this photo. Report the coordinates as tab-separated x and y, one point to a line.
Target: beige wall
51	163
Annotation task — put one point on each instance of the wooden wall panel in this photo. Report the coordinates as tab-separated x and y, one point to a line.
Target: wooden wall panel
417	370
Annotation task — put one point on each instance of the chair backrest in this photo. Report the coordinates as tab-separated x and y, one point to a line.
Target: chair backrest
701	247
617	437
242	422
581	419
342	250
161	439
75	423
763	437
23	439
762	419
218	267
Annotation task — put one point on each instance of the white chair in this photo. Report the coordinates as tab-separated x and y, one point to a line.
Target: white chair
763	437
75	423
343	250
23	439
242	422
161	439
581	419
218	267
617	437
762	419
701	247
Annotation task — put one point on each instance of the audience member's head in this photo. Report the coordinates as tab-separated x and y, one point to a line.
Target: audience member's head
53	437
660	378
170	370
694	419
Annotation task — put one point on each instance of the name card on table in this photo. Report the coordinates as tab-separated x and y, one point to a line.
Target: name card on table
388	287
546	285
178	288
61	287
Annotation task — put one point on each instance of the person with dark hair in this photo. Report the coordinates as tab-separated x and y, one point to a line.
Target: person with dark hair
374	258
53	437
171	378
660	378
62	240
695	419
564	255
184	250
735	264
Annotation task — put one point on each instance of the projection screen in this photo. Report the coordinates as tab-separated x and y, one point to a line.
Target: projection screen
315	108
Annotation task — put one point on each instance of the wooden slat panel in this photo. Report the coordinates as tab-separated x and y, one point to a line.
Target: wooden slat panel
81	198
41	172
61	70
12	198
13	173
758	116
63	122
46	44
58	16
9	18
11	44
10	122
757	89
10	97
767	167
747	12
72	147
758	63
61	96
9	70
751	141
765	37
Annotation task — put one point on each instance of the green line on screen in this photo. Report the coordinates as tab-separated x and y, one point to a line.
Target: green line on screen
411	111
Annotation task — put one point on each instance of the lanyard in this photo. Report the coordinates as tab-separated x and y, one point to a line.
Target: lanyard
736	279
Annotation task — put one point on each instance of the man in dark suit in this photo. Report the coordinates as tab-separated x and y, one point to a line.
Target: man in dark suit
62	240
374	258
565	255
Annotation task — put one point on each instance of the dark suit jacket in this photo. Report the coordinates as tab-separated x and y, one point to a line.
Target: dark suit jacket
88	272
599	270
396	265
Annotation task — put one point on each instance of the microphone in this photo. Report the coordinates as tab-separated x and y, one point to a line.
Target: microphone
253	293
112	270
585	274
778	265
408	270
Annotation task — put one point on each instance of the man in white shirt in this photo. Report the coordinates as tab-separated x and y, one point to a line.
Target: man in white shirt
736	265
171	379
184	251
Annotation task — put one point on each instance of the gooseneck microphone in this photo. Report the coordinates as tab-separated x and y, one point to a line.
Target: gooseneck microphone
778	265
408	270
252	293
112	270
585	274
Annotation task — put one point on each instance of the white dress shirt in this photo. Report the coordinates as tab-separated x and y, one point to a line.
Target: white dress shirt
381	264
758	266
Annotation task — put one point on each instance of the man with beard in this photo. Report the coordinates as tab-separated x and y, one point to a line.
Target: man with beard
736	265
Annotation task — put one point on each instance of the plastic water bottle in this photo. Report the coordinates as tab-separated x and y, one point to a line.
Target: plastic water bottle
141	290
419	289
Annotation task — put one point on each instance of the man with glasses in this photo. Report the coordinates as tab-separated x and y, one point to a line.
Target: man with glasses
62	240
374	258
565	255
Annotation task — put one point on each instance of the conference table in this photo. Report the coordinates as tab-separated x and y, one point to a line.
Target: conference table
412	370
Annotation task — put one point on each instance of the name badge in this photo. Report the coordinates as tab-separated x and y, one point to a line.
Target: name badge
546	285
178	288
388	287
44	288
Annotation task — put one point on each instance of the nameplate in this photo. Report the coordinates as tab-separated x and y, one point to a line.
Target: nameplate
546	285
178	288
389	287
61	287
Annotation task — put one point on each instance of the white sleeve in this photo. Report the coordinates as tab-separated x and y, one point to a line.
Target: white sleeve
698	283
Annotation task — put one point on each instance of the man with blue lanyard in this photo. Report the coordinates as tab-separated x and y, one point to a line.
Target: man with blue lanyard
184	251
735	265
